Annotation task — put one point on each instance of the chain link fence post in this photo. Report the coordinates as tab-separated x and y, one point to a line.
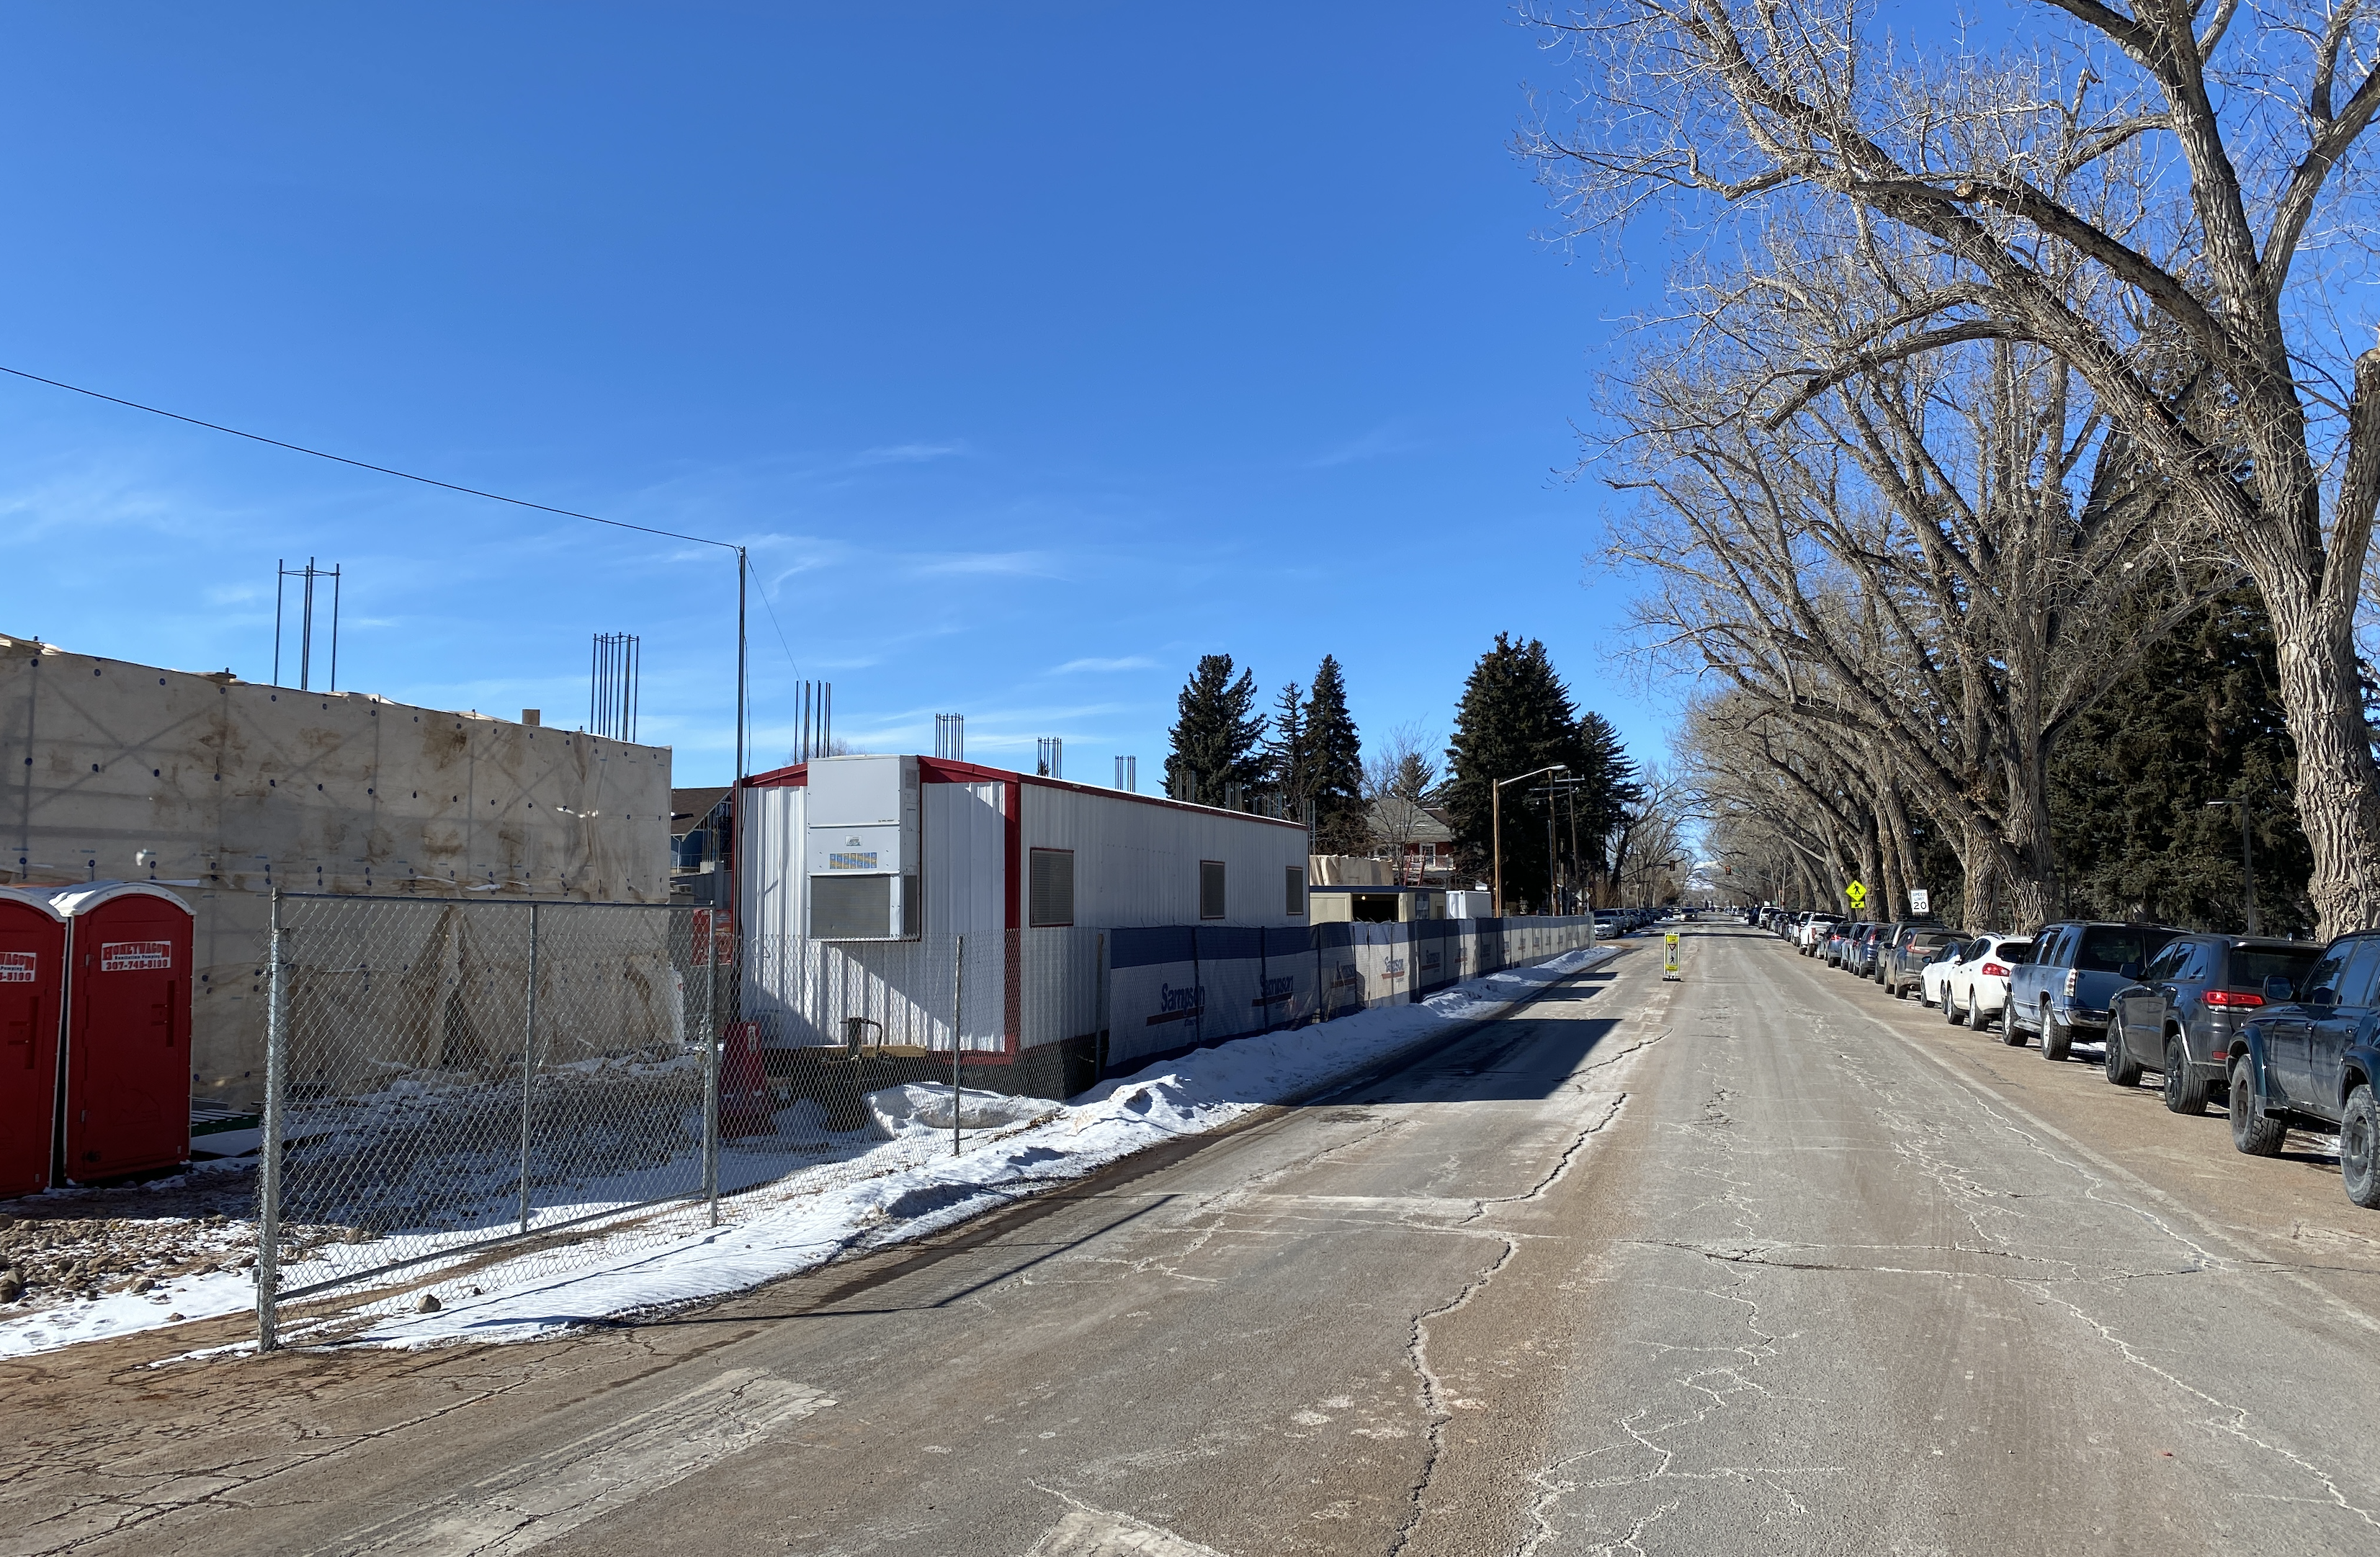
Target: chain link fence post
714	1038
268	1181
528	1068
958	1025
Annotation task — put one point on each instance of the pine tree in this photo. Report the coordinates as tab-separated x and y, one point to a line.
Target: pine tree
1287	760
1217	734
1516	717
1335	774
2197	719
1609	789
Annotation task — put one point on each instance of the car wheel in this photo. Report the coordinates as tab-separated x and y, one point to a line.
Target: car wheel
2015	1037
2057	1038
2359	1149
2184	1093
2121	1070
1950	1013
2252	1131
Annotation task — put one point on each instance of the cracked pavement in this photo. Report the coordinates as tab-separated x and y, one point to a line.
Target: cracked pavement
1757	1260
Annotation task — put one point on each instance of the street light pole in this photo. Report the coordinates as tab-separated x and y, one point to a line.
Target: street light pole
1496	825
2247	856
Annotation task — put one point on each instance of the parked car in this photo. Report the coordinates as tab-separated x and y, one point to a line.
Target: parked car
1934	979
1885	967
1819	925
1977	986
1841	941
2065	986
1916	945
2180	1020
2307	1061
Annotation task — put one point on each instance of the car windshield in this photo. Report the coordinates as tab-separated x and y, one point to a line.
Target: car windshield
2106	947
2249	968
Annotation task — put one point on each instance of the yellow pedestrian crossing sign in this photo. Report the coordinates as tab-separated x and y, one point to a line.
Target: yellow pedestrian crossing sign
1857	893
1669	955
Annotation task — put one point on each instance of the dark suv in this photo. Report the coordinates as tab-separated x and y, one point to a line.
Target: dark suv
1918	944
2309	1062
2182	1019
2064	987
1883	958
1861	956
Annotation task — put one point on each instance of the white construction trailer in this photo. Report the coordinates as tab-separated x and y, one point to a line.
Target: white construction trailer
890	901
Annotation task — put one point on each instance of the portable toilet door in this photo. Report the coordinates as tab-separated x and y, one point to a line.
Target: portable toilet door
128	1050
33	986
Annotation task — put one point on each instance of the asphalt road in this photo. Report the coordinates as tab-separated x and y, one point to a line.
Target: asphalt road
1757	1260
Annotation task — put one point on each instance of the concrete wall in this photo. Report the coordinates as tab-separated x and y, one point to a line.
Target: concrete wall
224	790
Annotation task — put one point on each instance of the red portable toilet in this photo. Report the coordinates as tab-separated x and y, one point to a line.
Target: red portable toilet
128	1051
33	986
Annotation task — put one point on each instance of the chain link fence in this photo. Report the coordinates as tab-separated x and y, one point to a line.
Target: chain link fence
463	1093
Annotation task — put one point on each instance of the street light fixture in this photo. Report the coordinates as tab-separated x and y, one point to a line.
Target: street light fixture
2247	856
1496	824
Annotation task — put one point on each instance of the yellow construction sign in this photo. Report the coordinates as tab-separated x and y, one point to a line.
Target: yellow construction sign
1670	956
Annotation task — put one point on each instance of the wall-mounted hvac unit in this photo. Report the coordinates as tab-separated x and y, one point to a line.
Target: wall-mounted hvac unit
862	853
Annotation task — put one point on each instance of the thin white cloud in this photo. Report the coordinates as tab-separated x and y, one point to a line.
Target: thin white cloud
1012	564
1379	443
907	454
1129	662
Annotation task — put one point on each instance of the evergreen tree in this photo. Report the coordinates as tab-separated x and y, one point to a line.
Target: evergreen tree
2198	719
1287	761
1516	717
1608	791
1216	735
1335	766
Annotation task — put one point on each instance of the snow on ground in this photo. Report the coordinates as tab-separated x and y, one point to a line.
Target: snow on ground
80	1264
895	1190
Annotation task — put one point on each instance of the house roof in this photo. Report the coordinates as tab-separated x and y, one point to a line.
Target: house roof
693	804
1393	819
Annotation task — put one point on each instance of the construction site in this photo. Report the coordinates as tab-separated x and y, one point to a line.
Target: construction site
221	790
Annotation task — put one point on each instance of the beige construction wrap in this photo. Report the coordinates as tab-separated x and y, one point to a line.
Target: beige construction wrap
224	790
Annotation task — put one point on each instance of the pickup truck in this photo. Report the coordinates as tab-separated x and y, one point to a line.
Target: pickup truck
2308	1060
2067	984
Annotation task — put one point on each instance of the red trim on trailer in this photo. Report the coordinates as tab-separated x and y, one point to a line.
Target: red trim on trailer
941	770
1012	1016
795	777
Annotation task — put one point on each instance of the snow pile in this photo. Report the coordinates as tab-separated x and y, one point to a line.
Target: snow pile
916	1108
896	1180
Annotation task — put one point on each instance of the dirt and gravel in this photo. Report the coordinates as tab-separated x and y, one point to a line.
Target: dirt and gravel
83	1243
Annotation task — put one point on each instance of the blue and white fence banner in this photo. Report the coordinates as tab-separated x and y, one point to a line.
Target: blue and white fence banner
1176	987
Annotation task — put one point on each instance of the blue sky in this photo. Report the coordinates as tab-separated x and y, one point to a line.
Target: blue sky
1034	349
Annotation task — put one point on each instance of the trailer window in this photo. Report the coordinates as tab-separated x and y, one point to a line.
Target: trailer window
1210	889
1296	906
1053	887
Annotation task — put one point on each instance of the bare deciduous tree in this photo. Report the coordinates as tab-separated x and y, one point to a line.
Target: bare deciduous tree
2200	158
1917	566
1398	774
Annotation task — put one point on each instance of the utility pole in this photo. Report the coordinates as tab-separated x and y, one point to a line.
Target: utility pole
2247	855
1496	825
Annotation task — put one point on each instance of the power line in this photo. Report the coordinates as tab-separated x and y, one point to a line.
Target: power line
366	465
432	481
